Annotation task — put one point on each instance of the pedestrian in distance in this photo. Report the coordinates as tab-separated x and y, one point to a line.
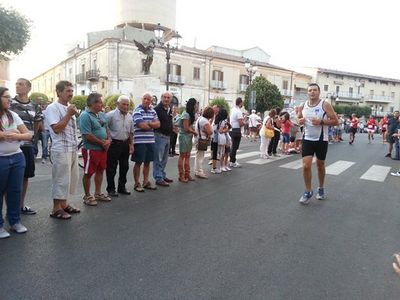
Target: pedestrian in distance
162	137
237	122
12	163
145	120
316	115
120	125
353	128
61	120
96	142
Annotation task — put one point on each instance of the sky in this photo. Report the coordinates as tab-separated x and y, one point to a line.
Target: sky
347	35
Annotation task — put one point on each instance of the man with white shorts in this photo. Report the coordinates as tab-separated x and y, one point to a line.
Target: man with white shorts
61	121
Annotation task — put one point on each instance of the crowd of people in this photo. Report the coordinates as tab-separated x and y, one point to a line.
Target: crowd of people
146	136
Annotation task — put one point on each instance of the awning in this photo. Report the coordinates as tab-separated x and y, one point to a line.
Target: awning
301	85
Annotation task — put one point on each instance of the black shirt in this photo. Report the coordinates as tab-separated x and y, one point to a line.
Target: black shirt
165	118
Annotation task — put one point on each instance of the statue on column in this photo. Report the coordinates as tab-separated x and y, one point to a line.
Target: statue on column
148	49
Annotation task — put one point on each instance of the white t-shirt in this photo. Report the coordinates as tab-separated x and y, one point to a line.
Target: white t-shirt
67	140
13	147
201	121
254	120
236	115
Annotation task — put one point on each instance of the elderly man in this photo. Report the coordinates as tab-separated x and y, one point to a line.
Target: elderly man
162	140
61	121
120	125
31	115
96	142
145	120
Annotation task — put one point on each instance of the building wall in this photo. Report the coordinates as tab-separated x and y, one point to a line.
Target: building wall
4	73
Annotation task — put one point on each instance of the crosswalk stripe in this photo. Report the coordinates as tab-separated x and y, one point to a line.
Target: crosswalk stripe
376	173
338	167
263	161
297	164
248	154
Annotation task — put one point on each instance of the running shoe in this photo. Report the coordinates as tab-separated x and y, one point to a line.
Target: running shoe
397	174
305	198
320	194
216	171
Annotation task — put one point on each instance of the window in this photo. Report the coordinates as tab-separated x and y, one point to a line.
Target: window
339	76
218	75
326	88
393	95
175	69
196	73
350	90
337	89
102	84
244	79
383	93
285	85
371	92
83	92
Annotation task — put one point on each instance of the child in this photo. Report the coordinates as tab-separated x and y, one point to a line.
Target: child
285	128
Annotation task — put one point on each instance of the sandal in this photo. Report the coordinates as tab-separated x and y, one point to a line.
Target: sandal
102	197
60	214
72	210
89	200
138	188
149	186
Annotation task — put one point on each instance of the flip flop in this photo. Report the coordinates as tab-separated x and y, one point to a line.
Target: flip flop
60	215
149	186
72	210
102	197
89	200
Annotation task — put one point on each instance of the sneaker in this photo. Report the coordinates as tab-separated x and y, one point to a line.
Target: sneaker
216	171
235	165
305	199
18	228
223	169
388	155
228	169
3	233
321	194
26	210
397	174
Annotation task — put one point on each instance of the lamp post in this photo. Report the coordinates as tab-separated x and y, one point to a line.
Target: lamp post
159	33
251	71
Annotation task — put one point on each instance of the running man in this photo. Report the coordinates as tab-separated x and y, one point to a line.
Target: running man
316	115
353	128
371	126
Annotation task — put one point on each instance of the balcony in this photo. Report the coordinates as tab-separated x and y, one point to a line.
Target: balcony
348	95
299	96
379	99
80	78
286	93
243	87
177	79
92	75
218	85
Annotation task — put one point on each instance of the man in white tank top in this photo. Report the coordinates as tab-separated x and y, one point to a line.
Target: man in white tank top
316	115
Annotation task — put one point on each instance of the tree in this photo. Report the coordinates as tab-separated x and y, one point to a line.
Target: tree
347	110
15	32
79	101
111	102
35	97
268	95
221	102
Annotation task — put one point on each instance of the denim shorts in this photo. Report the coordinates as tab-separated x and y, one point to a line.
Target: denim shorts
143	153
285	138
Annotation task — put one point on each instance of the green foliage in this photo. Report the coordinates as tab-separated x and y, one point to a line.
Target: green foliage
111	102
347	110
221	102
268	95
15	32
79	101
39	98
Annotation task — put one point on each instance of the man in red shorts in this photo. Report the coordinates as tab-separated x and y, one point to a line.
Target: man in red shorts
96	141
353	127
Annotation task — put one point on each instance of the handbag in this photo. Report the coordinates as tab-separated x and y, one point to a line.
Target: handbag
222	139
268	133
202	144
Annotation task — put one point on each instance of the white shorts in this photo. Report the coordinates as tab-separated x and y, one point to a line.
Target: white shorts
65	174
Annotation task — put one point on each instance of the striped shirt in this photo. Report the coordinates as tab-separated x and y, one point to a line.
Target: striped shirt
142	115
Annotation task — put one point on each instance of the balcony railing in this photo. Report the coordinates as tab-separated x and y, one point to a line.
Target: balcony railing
219	85
80	78
348	95
377	98
176	79
286	93
92	75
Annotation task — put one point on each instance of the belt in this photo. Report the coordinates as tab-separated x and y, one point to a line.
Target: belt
159	133
119	141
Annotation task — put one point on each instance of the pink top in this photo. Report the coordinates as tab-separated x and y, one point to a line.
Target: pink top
286	125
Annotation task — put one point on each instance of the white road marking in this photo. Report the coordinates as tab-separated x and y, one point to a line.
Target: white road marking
376	173
297	164
263	161
248	154
338	167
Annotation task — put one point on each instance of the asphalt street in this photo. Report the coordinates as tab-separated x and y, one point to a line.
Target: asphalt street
241	235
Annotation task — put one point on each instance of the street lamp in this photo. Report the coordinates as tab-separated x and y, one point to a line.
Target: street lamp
159	33
251	71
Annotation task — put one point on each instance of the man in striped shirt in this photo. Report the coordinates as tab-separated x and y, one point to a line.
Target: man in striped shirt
145	120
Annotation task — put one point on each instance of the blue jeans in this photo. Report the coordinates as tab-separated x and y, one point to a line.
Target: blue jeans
12	173
161	151
45	144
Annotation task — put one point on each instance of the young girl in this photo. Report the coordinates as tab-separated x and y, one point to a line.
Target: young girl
285	128
223	148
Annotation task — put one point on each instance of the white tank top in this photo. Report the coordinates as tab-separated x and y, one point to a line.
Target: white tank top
314	132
